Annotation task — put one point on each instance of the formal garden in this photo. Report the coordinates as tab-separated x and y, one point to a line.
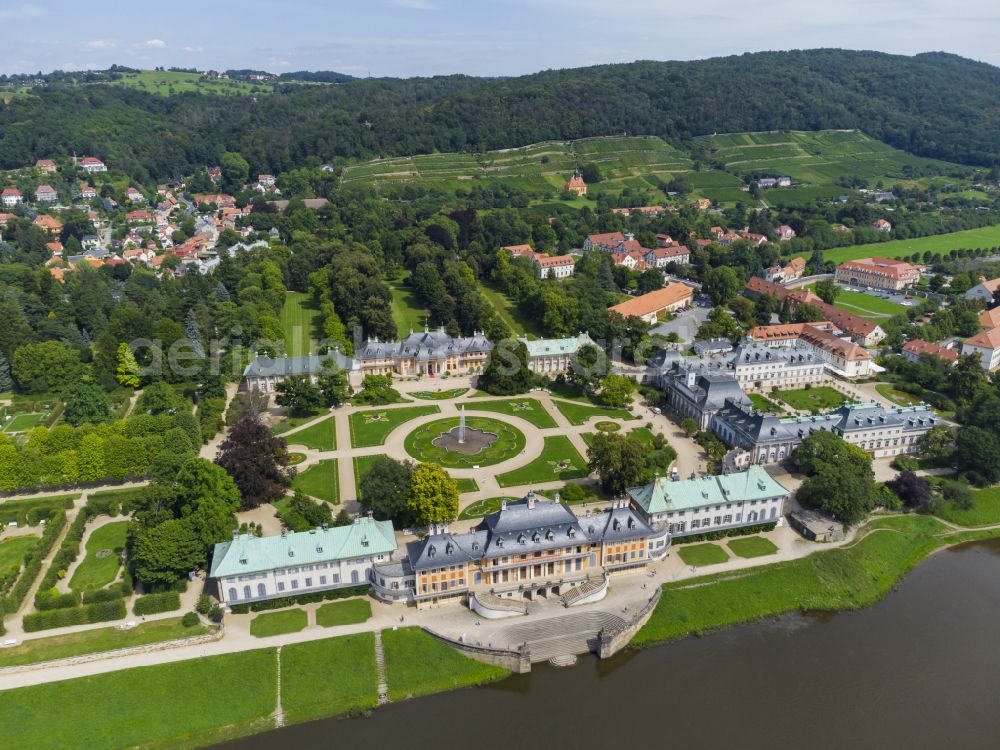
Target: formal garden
528	409
812	398
321	436
559	460
485	442
370	428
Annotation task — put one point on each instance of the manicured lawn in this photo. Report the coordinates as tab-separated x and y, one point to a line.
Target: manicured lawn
97	572
328	677
321	436
287	423
559	460
12	551
299	320
516	319
481	508
439	395
343	613
361	466
702	554
509	442
896	396
185	704
23	422
751	546
867	305
764	404
407	312
418	664
96	641
848	578
580	413
372	426
321	480
984	512
467	485
278	623
526	408
817	398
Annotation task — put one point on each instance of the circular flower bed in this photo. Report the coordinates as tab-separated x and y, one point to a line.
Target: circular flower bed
607	426
420	443
296	458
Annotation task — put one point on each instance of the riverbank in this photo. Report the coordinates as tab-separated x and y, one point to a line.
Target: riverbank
839	579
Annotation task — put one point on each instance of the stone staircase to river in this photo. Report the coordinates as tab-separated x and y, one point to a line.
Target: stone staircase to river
556	638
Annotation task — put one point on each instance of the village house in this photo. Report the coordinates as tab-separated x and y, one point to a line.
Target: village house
142	216
914	349
87	192
50	224
986	346
703	204
251	568
92	164
710	503
46	165
784	233
988	319
575	184
11	197
215	174
790	272
608	242
132	195
266	180
656	304
882	225
661	257
878	273
46	194
985	290
554	266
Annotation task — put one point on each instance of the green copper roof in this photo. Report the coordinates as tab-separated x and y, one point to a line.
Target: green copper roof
549	347
663	495
250	554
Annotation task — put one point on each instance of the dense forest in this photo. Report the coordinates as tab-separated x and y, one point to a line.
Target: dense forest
936	105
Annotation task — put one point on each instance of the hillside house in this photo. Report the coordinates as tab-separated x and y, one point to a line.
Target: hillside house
575	184
91	164
46	165
46	194
11	197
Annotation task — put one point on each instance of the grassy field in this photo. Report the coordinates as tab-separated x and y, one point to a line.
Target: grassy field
940	243
287	422
867	305
896	396
371	427
300	323
579	413
167	82
321	436
702	554
96	641
520	324
321	480
764	404
509	443
984	512
328	677
182	705
361	466
817	398
407	312
346	612
843	578
481	508
751	546
526	408
24	422
439	395
278	623
97	572
418	664
559	460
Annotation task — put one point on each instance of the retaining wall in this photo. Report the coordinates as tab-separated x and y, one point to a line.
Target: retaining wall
514	661
612	640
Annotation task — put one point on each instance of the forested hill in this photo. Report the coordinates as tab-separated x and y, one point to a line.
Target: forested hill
935	105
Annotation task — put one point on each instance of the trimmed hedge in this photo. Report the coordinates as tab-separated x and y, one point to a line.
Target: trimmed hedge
29	512
104	506
120	590
47	596
151	604
53	599
88	613
291	601
33	561
711	536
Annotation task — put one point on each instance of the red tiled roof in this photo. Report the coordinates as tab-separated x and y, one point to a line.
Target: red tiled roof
654	301
885	266
916	347
986	340
988	319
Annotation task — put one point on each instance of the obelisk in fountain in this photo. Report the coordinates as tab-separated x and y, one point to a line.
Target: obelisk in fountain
461	426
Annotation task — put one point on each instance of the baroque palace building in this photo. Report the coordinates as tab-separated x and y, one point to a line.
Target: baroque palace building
529	549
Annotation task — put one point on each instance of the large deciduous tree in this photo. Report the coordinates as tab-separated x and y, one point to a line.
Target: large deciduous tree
432	496
384	489
617	459
256	460
616	390
506	373
45	367
85	403
162	554
299	395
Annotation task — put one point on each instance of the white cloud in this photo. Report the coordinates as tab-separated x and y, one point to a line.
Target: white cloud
192	49
99	44
152	44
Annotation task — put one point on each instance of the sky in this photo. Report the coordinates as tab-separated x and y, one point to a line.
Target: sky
499	37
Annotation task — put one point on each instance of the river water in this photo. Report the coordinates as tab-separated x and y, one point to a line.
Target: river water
921	669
